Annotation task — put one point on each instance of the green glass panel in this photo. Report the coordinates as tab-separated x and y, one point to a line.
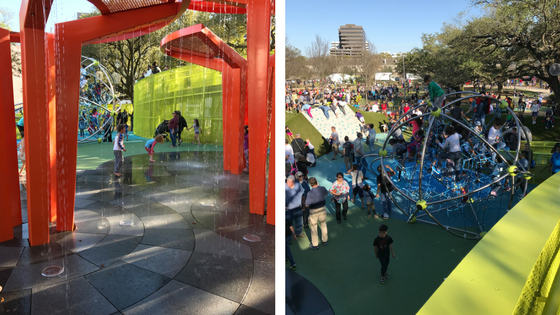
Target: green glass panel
194	90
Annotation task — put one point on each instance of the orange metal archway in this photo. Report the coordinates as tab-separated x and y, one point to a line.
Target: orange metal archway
50	95
197	44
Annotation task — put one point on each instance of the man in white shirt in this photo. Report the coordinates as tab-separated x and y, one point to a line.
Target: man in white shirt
494	137
289	153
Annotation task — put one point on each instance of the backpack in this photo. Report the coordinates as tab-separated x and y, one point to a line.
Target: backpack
294	169
182	123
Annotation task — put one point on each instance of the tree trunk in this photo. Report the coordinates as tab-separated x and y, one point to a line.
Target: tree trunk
555	86
500	87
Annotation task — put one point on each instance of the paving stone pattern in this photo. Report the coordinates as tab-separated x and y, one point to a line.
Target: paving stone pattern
166	238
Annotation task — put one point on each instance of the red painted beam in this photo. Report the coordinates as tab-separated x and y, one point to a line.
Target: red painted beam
270	208
14	37
10	212
32	23
126	24
213	7
52	117
258	48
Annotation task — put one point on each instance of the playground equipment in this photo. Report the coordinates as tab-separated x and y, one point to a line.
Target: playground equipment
467	199
51	77
96	93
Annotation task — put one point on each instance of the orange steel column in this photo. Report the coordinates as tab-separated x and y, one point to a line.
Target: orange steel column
36	120
10	213
258	39
51	88
226	110
69	38
69	49
270	207
236	124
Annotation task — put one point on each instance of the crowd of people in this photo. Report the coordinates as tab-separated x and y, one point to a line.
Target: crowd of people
306	199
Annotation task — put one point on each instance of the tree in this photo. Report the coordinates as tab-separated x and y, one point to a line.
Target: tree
6	18
295	62
448	65
369	63
527	32
319	58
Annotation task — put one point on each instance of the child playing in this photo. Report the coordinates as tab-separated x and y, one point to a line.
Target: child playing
494	137
21	154
289	133
196	127
357	184
91	129
549	117
437	95
414	146
82	127
369	196
382	245
118	148
151	144
360	117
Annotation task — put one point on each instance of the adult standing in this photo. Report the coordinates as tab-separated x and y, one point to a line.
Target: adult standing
294	193
173	128
359	152
370	140
306	188
298	145
315	202
341	193
182	124
384	188
348	153
335	141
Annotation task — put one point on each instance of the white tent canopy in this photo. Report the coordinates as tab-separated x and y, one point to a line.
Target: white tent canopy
383	76
339	78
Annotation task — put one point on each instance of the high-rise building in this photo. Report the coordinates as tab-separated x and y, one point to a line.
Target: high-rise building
351	41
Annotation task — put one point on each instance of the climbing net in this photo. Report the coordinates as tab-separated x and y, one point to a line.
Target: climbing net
96	94
466	199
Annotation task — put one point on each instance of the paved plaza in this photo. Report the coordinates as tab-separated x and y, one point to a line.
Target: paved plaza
166	238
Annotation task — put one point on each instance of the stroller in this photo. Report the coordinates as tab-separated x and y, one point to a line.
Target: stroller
162	129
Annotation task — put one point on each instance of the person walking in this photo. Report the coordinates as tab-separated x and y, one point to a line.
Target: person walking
315	201
293	194
341	193
358	153
118	149
173	128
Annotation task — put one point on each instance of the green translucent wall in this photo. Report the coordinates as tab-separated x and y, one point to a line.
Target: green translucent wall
194	90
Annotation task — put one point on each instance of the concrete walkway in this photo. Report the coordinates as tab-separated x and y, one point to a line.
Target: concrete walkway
166	238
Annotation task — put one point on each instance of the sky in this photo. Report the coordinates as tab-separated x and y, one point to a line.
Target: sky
63	11
393	26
